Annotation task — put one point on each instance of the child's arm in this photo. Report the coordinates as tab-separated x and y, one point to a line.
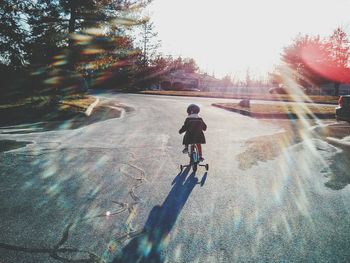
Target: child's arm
204	126
184	127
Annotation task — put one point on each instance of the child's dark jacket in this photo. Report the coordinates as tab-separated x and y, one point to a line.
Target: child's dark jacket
194	127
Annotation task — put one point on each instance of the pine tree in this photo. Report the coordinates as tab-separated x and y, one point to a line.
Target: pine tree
149	42
48	36
13	35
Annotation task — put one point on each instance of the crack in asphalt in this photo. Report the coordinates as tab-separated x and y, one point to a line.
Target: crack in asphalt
129	233
56	251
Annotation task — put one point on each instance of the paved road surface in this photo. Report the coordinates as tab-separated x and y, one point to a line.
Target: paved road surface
113	190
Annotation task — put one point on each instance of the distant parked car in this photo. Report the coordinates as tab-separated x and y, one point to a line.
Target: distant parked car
278	90
281	89
342	112
191	89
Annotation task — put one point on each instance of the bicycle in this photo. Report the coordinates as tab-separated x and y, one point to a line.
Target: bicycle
194	159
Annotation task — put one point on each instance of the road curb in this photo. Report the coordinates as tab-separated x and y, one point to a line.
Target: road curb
91	107
338	142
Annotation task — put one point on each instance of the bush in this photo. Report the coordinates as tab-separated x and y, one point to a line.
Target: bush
51	83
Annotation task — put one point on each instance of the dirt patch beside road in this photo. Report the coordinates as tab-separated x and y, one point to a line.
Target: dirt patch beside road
265	148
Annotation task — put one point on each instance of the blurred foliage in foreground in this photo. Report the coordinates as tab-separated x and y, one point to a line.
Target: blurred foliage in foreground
63	47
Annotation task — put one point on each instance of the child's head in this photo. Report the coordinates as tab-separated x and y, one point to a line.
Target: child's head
193	109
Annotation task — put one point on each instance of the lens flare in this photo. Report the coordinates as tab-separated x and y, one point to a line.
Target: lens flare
319	60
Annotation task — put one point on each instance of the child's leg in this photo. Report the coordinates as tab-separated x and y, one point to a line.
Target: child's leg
192	148
185	150
199	147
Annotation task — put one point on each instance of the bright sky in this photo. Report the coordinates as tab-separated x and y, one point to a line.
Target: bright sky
230	36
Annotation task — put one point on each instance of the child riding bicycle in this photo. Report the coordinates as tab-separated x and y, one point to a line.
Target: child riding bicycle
194	127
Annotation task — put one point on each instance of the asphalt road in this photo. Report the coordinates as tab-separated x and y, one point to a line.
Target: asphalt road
112	191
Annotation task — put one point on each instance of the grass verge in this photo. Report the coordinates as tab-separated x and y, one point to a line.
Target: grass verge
76	104
68	113
226	95
8	145
43	108
286	111
38	102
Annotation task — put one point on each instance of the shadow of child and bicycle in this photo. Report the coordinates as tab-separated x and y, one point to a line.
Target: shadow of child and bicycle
147	247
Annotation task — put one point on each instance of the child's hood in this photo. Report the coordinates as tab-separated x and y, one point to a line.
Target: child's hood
194	115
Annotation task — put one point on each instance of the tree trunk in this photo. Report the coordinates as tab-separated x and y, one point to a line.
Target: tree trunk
145	40
72	20
71	30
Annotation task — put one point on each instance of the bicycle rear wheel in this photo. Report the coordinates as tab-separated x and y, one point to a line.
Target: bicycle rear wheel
194	167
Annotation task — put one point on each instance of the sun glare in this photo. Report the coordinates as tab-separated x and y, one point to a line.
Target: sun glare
230	37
